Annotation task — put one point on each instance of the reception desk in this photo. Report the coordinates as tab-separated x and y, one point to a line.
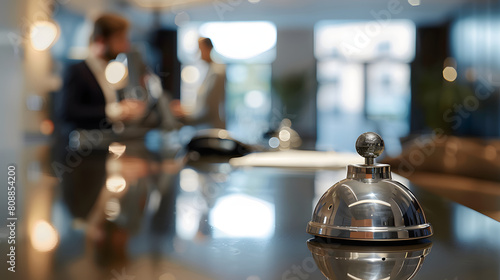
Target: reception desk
132	214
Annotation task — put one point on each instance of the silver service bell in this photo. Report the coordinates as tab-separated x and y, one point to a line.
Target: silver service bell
368	205
382	261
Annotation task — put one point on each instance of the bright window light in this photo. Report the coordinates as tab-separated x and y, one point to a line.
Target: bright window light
240	40
342	88
388	89
240	215
364	41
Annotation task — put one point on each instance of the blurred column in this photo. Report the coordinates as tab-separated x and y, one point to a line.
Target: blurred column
431	51
10	115
11	79
169	68
294	73
26	78
38	65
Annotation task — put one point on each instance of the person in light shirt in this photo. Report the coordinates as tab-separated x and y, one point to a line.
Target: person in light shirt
89	101
209	111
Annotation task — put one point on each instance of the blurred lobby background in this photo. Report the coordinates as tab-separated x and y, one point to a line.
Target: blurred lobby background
404	69
335	69
425	75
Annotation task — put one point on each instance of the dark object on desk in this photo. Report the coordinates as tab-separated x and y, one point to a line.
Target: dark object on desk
382	261
218	142
368	205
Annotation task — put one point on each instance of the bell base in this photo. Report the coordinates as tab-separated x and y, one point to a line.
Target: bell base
370	233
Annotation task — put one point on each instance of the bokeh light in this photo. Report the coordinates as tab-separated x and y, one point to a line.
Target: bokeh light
46	127
255	99
44	237
449	74
117	148
115	72
116	183
43	34
190	74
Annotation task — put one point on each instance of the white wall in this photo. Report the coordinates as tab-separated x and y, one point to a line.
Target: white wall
11	86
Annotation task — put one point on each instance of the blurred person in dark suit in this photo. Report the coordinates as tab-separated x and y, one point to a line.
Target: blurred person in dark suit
89	101
209	111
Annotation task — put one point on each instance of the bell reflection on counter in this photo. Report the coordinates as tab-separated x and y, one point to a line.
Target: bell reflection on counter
388	262
368	205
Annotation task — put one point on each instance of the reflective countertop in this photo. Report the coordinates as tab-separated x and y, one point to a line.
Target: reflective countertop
131	214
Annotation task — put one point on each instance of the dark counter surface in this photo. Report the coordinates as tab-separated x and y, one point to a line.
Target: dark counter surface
138	216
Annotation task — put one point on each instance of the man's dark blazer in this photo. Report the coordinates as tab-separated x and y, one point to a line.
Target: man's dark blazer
82	104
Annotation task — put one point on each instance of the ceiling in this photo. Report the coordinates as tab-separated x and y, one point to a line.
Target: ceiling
284	13
300	12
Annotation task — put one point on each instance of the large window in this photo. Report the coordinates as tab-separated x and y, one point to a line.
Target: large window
247	49
363	81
